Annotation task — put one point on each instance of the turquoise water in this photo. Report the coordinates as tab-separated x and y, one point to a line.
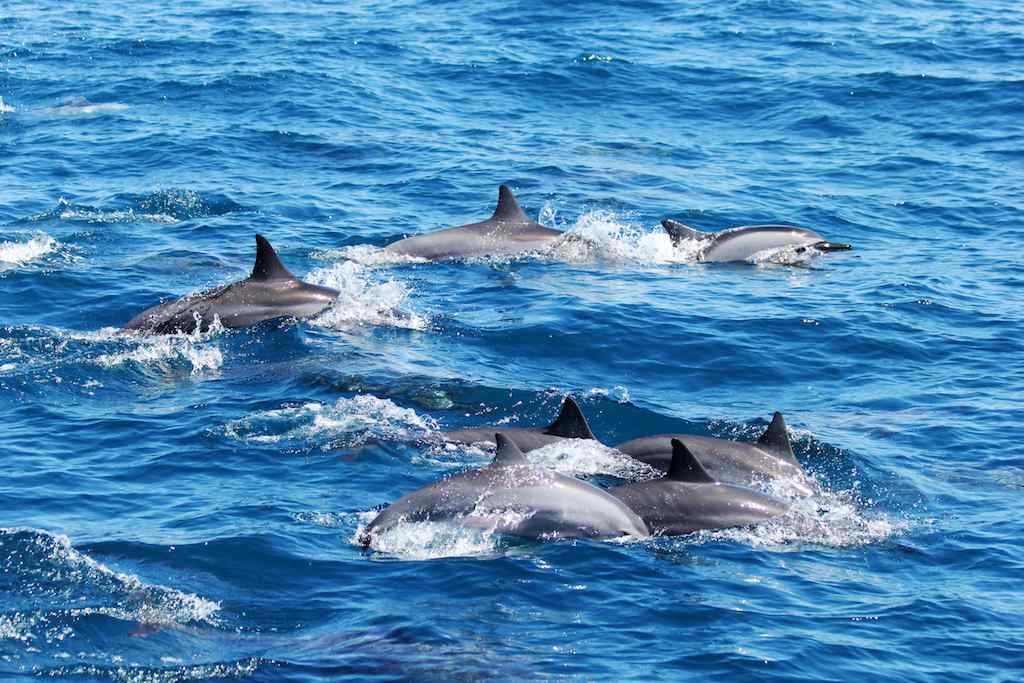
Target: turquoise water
185	507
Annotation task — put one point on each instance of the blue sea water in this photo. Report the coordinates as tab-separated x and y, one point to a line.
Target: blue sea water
184	507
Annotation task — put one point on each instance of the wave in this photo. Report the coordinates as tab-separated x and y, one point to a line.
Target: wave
49	588
166	206
14	254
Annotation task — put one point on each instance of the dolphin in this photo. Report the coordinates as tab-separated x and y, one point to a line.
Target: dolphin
508	231
270	292
735	462
512	496
570	424
688	499
740	244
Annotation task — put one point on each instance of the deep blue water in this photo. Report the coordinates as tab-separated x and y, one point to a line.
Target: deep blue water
184	508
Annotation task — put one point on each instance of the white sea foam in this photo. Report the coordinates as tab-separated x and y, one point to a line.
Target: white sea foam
601	234
14	254
348	422
363	301
827	518
159	351
137	674
471	536
367	255
586	457
617	393
5	108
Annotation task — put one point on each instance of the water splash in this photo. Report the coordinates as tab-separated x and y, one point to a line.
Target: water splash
829	519
161	351
14	254
586	457
361	301
367	255
42	351
349	422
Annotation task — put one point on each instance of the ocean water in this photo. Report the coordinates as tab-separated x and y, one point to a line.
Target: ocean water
184	507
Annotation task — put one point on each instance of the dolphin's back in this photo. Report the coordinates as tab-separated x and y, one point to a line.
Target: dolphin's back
271	291
740	244
507	231
675	508
734	462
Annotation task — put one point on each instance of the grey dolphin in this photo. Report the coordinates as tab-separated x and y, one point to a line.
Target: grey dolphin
570	424
688	499
512	496
508	231
270	292
739	244
735	462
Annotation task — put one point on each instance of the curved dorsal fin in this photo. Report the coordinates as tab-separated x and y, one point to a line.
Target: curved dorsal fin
680	231
508	208
570	423
776	439
268	266
508	454
685	466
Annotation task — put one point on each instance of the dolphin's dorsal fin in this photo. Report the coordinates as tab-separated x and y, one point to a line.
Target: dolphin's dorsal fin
508	454
508	209
776	439
570	423
685	466
680	231
268	265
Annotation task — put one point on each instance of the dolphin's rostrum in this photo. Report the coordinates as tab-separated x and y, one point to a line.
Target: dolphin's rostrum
271	291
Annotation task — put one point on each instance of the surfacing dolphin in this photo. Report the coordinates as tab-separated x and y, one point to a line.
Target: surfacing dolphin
570	424
689	499
740	244
736	462
270	292
508	231
512	496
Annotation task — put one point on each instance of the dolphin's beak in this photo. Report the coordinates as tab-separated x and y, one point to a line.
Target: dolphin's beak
832	246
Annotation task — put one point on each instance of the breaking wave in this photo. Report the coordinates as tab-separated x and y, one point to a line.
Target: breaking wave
167	206
49	589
